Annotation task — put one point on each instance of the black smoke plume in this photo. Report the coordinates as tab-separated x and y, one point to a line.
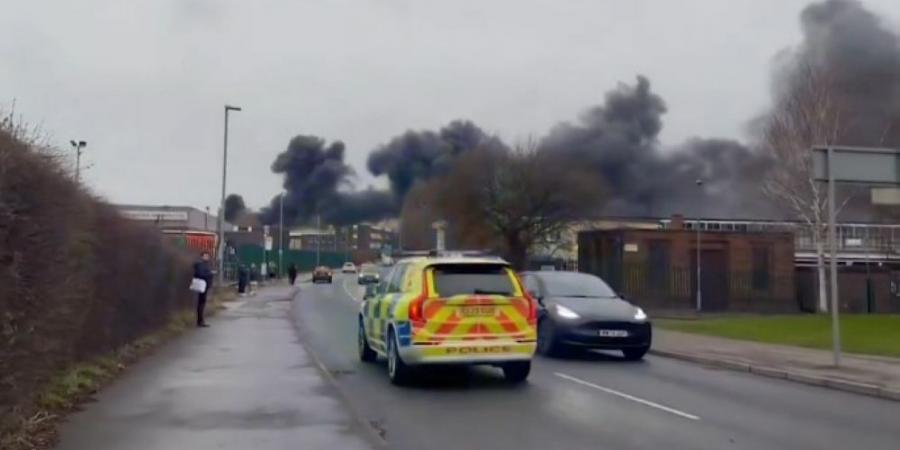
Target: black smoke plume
420	155
234	206
619	140
860	57
314	174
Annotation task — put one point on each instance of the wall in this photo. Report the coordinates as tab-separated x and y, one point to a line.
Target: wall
884	282
657	268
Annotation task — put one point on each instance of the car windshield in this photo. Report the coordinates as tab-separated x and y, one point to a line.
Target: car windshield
459	279
574	284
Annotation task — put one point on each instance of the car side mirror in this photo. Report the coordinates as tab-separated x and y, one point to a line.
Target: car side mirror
537	297
622	296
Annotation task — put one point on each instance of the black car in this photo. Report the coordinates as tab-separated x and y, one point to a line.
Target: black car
579	310
321	273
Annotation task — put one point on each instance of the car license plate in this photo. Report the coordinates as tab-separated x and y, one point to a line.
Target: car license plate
477	311
613	333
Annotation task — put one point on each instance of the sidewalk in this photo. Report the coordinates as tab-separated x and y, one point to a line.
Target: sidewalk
244	383
870	375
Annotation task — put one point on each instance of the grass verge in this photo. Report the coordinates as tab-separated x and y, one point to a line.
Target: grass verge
37	428
864	334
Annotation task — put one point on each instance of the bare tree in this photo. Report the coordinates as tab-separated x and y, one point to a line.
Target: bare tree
809	113
520	198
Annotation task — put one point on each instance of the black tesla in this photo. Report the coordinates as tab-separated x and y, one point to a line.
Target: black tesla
579	310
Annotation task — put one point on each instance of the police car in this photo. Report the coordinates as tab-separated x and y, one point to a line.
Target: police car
449	309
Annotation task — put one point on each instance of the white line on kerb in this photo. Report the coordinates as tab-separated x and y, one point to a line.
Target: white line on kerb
627	397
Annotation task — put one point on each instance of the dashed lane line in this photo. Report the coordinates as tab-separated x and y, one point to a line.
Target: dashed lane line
627	396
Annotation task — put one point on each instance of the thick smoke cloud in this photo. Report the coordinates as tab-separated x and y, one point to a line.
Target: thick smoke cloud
314	172
619	140
861	59
420	155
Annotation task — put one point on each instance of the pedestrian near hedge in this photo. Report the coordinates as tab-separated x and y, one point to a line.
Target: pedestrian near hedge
202	272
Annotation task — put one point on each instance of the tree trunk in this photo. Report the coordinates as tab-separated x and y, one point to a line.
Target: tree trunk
517	252
820	272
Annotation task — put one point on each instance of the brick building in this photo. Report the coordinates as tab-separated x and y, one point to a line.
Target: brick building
740	271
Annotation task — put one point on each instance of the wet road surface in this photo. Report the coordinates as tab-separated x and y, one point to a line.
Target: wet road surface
245	383
593	401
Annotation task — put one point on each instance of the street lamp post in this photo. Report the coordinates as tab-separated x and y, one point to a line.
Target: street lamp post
281	237
699	271
318	237
78	146
206	220
221	224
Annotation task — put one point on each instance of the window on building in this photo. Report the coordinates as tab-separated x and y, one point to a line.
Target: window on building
761	264
658	270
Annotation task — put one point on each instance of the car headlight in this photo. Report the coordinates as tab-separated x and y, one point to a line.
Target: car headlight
566	313
639	314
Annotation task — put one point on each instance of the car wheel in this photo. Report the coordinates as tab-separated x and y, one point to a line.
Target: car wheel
516	372
547	344
635	354
398	372
366	354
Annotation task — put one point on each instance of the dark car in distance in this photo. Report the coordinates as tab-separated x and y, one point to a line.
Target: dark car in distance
321	273
579	310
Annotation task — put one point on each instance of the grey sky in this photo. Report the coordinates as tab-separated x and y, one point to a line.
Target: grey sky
144	82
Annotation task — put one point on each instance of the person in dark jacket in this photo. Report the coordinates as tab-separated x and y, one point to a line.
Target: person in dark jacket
292	273
243	279
203	272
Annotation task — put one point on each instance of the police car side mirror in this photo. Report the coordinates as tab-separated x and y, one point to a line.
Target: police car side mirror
371	291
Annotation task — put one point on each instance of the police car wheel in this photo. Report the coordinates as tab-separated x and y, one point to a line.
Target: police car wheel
398	371
516	372
366	354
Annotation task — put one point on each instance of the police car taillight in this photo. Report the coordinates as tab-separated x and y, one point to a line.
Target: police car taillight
416	306
532	302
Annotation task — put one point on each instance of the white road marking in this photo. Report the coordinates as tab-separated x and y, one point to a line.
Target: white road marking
627	396
347	290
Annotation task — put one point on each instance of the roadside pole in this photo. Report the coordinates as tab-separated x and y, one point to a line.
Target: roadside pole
281	238
832	250
856	165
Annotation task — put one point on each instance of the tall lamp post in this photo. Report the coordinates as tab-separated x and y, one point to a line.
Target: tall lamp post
78	146
699	271
221	224
281	237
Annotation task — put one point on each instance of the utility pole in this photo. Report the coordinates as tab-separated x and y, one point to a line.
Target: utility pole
699	271
206	220
221	218
78	146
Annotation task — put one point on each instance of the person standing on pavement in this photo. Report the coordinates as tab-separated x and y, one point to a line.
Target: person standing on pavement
292	273
203	272
243	279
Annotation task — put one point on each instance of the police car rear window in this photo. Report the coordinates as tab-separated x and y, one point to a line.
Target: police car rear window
461	279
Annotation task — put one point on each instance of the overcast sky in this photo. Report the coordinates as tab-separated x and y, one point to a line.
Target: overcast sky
144	82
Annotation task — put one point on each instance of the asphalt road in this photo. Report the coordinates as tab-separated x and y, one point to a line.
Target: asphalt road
592	402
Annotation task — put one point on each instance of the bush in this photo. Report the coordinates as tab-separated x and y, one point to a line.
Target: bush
76	279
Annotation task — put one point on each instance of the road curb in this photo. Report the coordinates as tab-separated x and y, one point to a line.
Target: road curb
782	374
372	434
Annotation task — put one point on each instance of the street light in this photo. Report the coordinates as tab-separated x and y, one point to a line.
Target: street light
281	237
221	224
77	146
699	285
